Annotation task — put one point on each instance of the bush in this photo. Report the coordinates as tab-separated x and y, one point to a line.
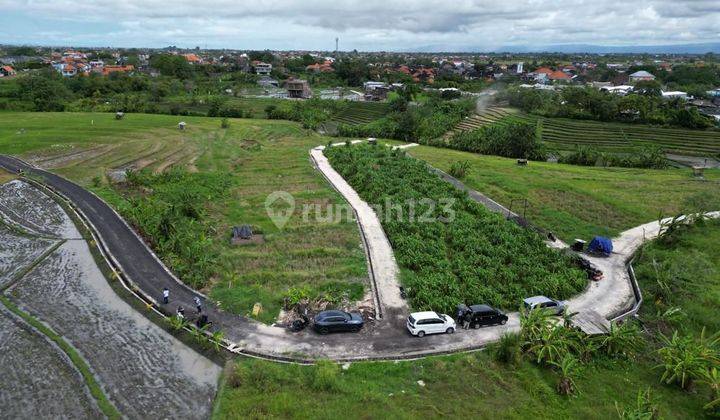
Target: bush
515	140
509	349
224	123
460	169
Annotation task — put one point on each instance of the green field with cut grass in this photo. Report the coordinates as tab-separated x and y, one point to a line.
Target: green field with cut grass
580	202
259	156
566	134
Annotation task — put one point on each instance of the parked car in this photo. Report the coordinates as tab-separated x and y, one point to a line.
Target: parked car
480	315
421	323
558	307
336	321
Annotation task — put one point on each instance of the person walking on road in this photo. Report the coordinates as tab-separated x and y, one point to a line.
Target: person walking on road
166	296
198	304
181	312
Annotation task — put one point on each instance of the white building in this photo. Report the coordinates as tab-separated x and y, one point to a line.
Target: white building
263	68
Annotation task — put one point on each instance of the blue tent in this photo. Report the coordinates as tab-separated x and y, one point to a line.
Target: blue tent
600	244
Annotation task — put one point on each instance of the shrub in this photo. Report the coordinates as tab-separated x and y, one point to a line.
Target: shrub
460	169
685	359
515	139
508	349
224	123
624	339
645	408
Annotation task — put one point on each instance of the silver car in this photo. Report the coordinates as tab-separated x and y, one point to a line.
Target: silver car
558	307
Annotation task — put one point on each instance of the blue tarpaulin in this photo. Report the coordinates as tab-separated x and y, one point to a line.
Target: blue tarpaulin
601	244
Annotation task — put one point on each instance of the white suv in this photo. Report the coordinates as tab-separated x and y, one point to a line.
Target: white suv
421	323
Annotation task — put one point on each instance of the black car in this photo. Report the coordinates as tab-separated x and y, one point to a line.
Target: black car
334	321
480	315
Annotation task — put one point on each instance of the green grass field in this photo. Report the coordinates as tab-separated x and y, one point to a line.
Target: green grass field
580	202
475	385
566	134
262	157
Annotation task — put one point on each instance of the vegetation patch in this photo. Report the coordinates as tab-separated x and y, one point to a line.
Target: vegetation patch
458	251
581	202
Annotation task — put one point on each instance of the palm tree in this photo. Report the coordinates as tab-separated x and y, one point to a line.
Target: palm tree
568	368
551	346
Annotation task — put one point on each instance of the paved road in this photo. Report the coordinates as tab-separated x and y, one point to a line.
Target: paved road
381	340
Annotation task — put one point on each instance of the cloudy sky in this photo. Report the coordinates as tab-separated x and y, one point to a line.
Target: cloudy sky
402	25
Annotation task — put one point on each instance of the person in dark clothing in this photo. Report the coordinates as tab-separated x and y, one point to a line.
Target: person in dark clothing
166	295
202	321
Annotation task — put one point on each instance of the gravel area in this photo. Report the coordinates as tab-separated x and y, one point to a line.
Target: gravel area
38	381
17	252
33	209
145	371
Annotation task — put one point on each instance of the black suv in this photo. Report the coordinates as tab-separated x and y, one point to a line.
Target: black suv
334	321
480	315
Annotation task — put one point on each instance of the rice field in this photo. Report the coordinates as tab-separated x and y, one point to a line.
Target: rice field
566	134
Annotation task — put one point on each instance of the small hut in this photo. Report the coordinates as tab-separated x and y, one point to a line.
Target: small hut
181	125
119	115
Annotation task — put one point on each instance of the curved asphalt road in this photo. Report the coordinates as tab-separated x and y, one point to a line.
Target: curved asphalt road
386	339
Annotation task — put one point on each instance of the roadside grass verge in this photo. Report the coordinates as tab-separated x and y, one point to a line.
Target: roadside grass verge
453	386
580	202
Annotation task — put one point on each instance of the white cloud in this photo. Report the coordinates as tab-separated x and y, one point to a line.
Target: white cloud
376	24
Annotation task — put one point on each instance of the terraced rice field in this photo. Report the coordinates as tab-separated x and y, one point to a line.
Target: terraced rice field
38	380
567	134
63	288
361	113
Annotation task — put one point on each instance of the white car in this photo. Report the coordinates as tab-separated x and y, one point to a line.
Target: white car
421	323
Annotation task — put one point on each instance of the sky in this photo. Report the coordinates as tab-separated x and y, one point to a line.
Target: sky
365	25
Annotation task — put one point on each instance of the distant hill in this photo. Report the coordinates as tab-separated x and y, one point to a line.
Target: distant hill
604	49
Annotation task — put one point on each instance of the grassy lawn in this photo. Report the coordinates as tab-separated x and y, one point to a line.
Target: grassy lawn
579	202
692	271
475	385
260	156
462	385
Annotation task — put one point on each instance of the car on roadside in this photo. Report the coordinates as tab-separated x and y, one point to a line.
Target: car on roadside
557	307
421	323
337	321
480	315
